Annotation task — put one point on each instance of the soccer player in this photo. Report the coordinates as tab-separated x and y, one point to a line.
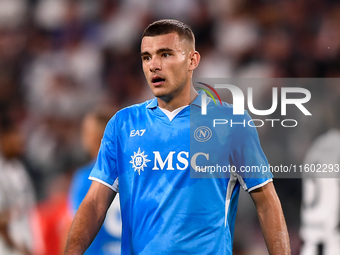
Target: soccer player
17	196
320	211
108	238
145	150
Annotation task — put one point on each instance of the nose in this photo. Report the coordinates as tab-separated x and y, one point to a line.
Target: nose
155	64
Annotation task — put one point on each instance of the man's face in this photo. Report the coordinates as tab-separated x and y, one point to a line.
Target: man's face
166	64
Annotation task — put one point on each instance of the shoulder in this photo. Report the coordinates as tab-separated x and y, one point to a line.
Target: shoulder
330	137
225	109
325	145
225	112
327	141
132	110
123	116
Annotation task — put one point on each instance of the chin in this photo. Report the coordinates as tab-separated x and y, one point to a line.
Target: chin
159	92
163	96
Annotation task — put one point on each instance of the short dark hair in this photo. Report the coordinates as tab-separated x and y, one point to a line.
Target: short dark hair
167	26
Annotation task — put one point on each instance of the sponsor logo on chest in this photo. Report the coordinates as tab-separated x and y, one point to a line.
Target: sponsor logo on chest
140	160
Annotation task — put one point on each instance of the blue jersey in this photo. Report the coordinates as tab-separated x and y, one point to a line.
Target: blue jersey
165	209
108	240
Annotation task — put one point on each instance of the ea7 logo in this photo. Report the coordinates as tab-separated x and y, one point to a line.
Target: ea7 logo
137	132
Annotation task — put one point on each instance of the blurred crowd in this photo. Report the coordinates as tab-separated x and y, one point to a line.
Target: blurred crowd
59	59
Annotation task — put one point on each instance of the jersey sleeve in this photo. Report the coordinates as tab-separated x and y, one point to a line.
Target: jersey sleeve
105	169
248	157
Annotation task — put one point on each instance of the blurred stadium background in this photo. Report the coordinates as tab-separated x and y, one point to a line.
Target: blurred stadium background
61	58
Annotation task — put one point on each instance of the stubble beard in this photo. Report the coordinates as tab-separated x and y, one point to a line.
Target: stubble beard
167	97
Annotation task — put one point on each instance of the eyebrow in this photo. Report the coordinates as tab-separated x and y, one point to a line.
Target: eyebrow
145	53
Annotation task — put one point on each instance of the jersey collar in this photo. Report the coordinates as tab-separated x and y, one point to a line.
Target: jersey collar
198	99
152	104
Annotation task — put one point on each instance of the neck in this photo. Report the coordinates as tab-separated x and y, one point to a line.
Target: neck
184	98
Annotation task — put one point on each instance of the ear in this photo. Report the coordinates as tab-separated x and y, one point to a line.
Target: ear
195	58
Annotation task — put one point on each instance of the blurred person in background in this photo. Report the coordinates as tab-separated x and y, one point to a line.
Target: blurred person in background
108	239
54	215
17	198
320	210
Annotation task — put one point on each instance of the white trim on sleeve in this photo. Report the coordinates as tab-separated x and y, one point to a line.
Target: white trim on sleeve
230	189
116	185
113	187
260	185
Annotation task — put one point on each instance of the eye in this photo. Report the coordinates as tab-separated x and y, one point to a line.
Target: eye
166	55
146	58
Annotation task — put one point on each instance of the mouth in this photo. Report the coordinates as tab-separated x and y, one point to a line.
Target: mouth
157	80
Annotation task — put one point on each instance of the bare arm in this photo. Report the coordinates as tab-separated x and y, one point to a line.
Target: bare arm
89	218
272	221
